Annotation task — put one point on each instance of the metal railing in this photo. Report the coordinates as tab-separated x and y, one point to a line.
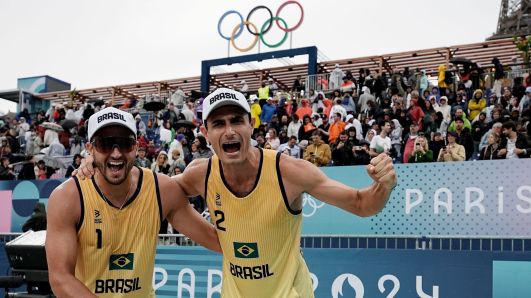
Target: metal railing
517	73
321	82
459	243
318	82
455	243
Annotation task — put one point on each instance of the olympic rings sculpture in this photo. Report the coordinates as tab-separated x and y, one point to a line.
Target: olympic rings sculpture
237	31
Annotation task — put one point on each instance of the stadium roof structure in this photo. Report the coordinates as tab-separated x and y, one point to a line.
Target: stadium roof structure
11	95
427	59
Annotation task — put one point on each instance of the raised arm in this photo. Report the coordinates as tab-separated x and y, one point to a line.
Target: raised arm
180	213
362	202
64	211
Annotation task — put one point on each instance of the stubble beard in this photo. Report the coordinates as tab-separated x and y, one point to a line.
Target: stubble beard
101	166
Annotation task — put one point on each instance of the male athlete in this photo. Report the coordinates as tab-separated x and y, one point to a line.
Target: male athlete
102	232
254	198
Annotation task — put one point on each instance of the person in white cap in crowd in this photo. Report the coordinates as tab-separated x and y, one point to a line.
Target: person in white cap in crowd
352	121
102	232
337	107
273	87
23	126
254	196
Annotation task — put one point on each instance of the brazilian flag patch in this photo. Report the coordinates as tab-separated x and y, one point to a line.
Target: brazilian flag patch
122	262
245	250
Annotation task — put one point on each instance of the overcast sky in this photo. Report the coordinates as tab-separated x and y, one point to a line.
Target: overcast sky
106	42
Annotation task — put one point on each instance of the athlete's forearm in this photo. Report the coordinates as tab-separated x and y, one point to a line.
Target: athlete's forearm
211	240
66	285
373	198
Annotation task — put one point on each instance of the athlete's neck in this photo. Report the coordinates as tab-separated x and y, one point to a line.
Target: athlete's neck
239	175
116	192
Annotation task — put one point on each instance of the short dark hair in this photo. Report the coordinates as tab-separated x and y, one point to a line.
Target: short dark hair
382	123
459	119
509	124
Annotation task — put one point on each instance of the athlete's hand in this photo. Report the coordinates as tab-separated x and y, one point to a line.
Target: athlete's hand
382	171
85	169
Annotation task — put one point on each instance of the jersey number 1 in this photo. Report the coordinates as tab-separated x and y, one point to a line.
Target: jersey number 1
220	219
99	238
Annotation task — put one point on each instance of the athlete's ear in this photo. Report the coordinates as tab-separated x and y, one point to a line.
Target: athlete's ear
204	131
89	147
253	120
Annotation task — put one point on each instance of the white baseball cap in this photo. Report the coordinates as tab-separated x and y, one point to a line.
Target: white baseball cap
224	97
110	116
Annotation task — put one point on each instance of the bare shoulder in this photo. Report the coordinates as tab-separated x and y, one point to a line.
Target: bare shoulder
192	180
66	191
64	201
198	166
299	174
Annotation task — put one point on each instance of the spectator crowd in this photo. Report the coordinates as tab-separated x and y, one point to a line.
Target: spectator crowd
468	114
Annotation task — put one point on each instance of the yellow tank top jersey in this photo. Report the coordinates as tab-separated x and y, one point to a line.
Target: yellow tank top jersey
116	248
259	235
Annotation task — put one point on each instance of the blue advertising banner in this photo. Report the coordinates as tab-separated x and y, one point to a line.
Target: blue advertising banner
481	198
196	272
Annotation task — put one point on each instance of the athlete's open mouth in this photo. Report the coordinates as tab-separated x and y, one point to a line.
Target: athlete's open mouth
115	166
231	147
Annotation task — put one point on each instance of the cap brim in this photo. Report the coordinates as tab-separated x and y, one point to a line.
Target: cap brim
110	124
222	104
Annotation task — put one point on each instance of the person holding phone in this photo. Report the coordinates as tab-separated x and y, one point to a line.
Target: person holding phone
421	151
452	151
318	152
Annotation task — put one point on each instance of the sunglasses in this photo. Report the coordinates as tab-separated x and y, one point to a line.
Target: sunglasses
106	144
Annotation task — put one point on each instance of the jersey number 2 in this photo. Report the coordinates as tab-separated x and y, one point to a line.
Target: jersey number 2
220	219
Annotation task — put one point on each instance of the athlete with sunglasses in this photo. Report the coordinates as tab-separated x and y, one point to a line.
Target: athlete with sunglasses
102	232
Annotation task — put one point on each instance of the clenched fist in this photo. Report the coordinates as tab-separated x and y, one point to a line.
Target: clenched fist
382	171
